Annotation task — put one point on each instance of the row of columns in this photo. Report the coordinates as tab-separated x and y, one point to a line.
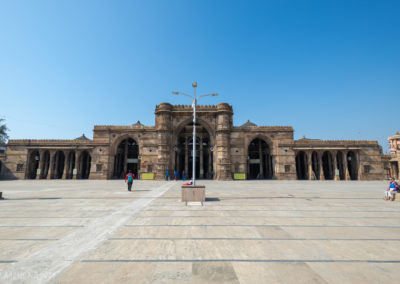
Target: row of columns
49	170
333	167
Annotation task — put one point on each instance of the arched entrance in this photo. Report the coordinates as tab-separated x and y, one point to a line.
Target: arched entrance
259	160
327	165
315	165
126	158
59	160
84	165
204	153
34	158
301	165
352	165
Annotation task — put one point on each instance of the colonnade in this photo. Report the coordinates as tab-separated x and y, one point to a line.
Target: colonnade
58	164
327	165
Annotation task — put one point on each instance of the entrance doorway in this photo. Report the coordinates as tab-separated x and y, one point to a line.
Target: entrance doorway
126	159
184	153
259	160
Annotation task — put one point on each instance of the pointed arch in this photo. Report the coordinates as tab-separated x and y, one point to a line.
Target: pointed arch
199	121
259	159
126	157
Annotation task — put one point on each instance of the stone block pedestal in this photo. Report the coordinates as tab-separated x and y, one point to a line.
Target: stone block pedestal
195	193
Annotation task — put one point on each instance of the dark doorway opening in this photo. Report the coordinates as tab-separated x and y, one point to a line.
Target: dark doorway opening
59	161
259	160
315	165
301	166
46	164
70	165
84	165
327	164
126	159
340	165
34	159
204	153
352	165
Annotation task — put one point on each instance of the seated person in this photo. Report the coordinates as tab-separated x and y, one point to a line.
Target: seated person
393	188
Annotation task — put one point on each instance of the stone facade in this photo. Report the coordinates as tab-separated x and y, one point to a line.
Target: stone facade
392	160
223	151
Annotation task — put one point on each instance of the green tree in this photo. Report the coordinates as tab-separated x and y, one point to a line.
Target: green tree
3	132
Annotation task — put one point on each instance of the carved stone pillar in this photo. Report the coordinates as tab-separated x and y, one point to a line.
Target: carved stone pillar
178	162
321	167
224	125
125	165
77	166
164	130
346	170
41	164
201	159
210	163
359	168
261	160
50	172
335	167
66	164
309	163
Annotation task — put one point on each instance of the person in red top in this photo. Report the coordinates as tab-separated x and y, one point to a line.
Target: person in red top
129	178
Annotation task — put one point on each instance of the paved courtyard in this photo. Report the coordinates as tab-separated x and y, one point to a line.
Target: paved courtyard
246	232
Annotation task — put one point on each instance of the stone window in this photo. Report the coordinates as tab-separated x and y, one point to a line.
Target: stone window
99	167
20	167
287	168
367	169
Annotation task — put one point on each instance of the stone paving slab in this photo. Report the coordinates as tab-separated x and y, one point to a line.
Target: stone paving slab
247	232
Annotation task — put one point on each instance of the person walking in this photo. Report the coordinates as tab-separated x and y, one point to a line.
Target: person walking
183	175
176	175
166	175
129	179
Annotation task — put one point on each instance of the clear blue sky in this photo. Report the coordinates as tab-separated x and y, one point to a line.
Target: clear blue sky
330	69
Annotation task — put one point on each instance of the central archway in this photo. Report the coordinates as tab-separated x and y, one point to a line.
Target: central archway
204	154
259	160
126	158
